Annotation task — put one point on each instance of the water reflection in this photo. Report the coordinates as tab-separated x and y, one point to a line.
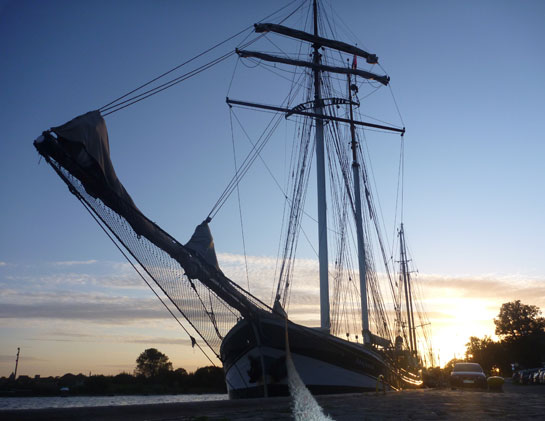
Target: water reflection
85	401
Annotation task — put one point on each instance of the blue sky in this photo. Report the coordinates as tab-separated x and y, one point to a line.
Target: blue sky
467	76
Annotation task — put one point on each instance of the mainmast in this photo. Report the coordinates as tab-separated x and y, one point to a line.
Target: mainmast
316	110
359	224
320	175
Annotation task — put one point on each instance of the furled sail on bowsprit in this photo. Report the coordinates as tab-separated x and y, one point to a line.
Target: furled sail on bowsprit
189	275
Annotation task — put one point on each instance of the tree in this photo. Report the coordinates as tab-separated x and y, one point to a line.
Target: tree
489	354
517	320
211	378
522	330
181	372
450	365
152	362
179	378
476	349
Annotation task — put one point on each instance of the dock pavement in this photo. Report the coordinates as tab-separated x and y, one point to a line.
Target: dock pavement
426	404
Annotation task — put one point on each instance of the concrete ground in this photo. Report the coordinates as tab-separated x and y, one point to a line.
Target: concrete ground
516	402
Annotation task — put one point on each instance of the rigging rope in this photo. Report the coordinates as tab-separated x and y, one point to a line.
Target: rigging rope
238	196
246	164
144	95
115	103
101	225
110	104
163	269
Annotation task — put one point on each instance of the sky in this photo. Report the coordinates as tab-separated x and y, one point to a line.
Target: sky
467	77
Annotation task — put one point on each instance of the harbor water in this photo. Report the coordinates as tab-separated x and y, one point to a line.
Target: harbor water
92	401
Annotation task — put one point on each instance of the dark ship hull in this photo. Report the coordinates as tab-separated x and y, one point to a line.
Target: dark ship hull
254	352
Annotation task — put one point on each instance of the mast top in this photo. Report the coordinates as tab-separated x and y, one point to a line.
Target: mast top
316	40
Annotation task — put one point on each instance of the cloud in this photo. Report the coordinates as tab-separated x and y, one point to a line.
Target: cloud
70	335
263	274
111	293
3	263
66	279
158	340
91	311
100	307
489	287
437	292
75	262
70	305
11	359
36	297
64	336
68	274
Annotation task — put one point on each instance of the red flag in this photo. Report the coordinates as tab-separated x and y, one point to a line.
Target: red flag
355	62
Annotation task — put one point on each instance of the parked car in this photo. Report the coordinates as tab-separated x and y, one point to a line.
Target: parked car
468	375
535	377
527	376
541	376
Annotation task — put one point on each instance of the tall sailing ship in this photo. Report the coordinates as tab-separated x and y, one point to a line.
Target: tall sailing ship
347	353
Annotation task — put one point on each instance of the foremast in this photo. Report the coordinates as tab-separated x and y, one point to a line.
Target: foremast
404	262
362	265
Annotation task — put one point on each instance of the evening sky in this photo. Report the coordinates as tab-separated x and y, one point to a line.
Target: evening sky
469	80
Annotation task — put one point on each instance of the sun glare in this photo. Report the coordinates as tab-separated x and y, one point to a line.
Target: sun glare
455	319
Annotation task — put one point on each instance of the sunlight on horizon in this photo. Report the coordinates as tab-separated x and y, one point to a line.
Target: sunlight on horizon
98	317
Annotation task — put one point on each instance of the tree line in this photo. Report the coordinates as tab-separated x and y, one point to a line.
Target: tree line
153	374
521	344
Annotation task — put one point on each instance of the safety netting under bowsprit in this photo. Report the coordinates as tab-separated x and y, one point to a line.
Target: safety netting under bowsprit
208	315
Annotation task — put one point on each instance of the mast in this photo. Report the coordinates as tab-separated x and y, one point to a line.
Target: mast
407	285
320	175
315	110
324	68
359	224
